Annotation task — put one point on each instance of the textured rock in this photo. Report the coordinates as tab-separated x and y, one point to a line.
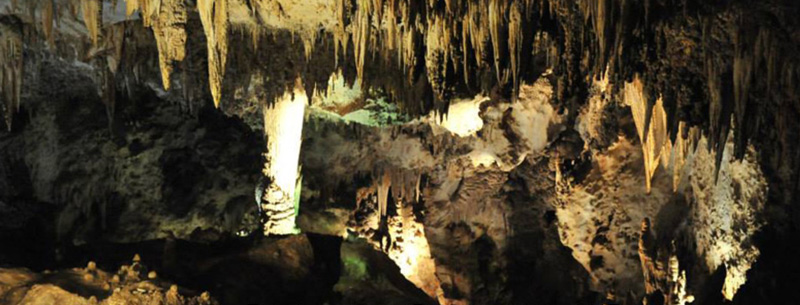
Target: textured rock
155	176
727	214
599	217
89	285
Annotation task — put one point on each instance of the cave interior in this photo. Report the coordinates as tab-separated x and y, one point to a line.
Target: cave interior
452	152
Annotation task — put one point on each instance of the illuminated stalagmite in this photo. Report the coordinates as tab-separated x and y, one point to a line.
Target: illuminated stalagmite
283	128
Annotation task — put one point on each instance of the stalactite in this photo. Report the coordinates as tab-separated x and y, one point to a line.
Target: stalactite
93	18
597	14
114	43
341	37
131	6
309	39
515	41
766	46
169	28
743	62
436	50
11	67
390	40
408	39
361	36
719	111
47	22
653	137
214	16
496	13
383	183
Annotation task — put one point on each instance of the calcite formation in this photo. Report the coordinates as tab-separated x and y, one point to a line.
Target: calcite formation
283	128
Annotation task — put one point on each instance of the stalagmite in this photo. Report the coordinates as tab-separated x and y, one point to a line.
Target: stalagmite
646	255
11	65
214	16
685	141
661	269
283	126
93	18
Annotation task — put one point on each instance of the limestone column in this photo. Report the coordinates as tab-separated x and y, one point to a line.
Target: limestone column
283	128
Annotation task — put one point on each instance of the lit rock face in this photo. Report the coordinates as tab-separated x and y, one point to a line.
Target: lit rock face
463	117
726	215
599	217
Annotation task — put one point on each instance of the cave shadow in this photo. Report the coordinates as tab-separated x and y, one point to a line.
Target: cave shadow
540	267
234	270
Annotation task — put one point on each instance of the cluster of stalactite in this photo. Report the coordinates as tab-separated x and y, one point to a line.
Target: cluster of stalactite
446	48
715	79
638	38
657	147
443	48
